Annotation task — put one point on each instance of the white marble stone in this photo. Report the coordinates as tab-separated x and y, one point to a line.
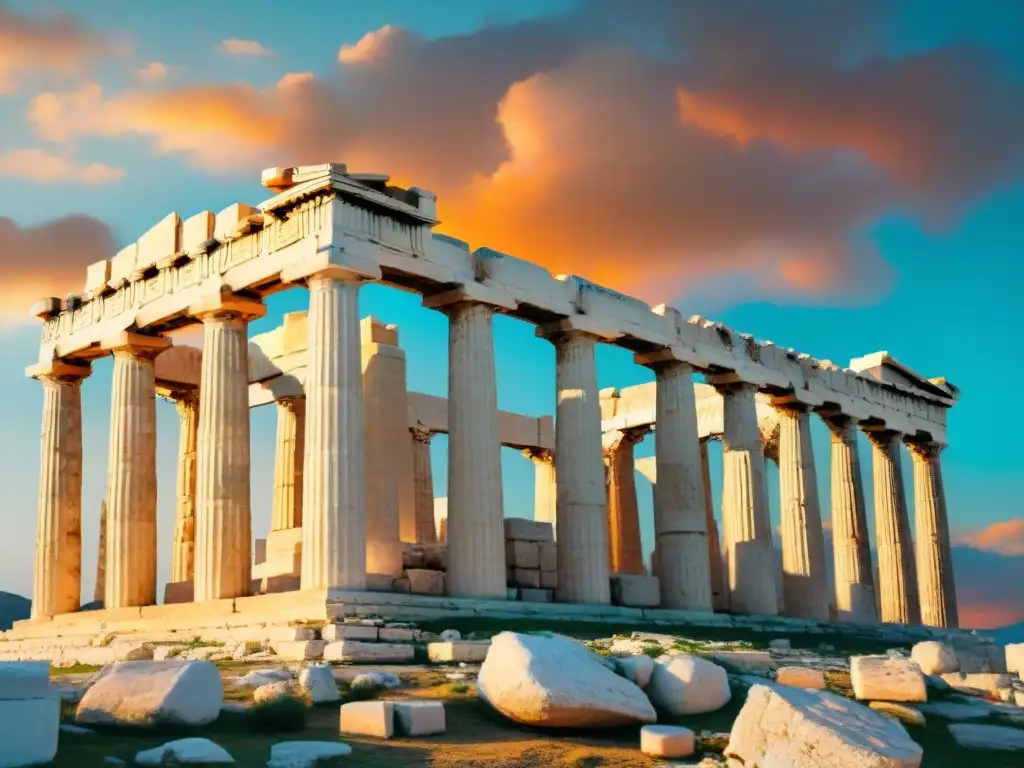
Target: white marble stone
934	658
667	741
934	557
185	751
886	678
368	718
688	685
305	754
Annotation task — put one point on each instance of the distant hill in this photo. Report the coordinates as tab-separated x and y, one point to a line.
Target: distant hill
13	608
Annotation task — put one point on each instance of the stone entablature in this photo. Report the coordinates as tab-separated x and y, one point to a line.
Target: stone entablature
359	225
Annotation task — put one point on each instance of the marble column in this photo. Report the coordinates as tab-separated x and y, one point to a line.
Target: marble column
333	493
579	466
936	586
423	477
545	487
854	575
476	532
289	449
804	580
183	553
719	585
897	576
223	546
57	586
99	590
624	550
131	472
680	520
747	527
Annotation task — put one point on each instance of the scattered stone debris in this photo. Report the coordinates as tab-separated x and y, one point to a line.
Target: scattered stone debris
684	684
987	736
305	754
193	750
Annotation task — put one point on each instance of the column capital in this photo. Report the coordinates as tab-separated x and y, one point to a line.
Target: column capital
184	398
726	382
539	455
471	293
421	435
332	263
881	437
674	356
71	371
135	344
789	403
924	449
577	327
614	439
291	402
228	304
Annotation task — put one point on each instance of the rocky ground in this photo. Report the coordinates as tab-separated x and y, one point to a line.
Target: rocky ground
543	701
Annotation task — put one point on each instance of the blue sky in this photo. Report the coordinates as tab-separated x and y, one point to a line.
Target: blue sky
945	300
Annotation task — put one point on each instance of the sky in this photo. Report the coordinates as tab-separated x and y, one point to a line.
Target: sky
841	178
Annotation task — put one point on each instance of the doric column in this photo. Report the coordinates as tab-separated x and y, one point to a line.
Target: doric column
183	553
936	586
476	533
624	552
897	577
131	472
680	521
223	543
545	487
57	586
423	477
99	590
290	446
719	584
747	527
854	575
804	580
579	466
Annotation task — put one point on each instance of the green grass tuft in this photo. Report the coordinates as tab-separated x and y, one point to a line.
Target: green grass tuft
284	715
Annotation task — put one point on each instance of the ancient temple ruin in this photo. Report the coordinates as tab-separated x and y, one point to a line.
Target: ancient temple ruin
352	485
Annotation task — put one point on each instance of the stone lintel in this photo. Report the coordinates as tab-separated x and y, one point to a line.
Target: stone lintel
802	401
46	308
249	308
673	354
137	343
277	179
59	369
473	293
614	438
331	261
588	325
728	379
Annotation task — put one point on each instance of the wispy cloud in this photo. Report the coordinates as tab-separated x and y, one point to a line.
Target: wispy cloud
40	166
153	72
1004	536
237	47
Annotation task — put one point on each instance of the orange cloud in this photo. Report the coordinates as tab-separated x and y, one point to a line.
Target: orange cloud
43	167
370	46
981	615
237	47
46	260
154	71
1005	537
30	46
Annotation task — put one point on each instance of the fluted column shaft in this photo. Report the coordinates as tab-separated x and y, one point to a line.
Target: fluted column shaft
748	542
719	584
545	487
99	590
897	576
936	585
183	552
57	585
333	493
423	478
290	446
131	475
476	533
579	466
804	580
680	521
624	550
854	575
223	562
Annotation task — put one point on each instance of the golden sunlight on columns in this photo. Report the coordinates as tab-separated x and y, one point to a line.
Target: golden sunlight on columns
936	586
99	590
897	575
131	472
57	585
804	580
625	553
854	575
545	487
223	546
423	479
719	585
747	527
289	450
183	552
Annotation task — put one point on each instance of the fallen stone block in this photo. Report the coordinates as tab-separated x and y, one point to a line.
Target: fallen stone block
396	635
305	754
368	718
29	714
934	658
553	681
528	530
424	582
667	741
419	718
801	677
635	591
185	751
150	692
331	632
317	682
353	650
978	681
688	685
987	736
886	678
299	650
901	712
637	669
458	650
799	728
522	554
